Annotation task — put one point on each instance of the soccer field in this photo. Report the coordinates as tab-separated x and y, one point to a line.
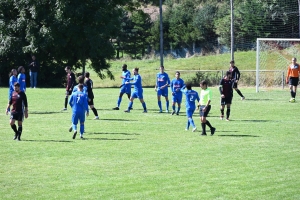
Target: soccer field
139	155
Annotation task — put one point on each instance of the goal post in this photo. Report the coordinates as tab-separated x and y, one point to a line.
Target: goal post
273	55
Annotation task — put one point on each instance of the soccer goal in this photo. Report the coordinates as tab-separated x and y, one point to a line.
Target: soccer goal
273	55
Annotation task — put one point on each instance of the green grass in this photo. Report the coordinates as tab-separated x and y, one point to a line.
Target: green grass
150	156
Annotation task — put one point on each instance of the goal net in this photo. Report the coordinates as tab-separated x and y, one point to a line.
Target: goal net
273	55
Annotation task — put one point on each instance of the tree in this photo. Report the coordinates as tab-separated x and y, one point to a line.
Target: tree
60	33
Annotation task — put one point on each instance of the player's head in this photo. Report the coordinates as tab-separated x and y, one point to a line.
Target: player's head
68	69
231	63
177	74
203	84
228	74
124	67
162	68
294	60
87	74
17	86
135	71
188	86
13	72
80	79
33	57
21	69
80	87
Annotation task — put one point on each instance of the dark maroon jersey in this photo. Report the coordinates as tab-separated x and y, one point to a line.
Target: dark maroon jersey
18	101
226	87
70	81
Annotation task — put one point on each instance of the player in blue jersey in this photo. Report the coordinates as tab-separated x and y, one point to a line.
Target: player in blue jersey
75	89
204	104
124	88
12	79
79	103
161	87
226	91
22	78
176	84
138	89
190	97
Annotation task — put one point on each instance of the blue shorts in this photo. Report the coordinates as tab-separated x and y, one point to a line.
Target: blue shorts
126	88
190	112
163	92
177	97
137	94
78	116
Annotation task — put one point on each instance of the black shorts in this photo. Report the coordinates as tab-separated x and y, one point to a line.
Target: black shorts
91	102
235	85
204	114
226	100
68	92
17	116
293	81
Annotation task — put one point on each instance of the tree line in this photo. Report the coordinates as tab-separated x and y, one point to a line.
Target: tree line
72	32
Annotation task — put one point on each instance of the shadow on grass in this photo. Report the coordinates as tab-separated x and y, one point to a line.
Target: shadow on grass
46	112
113	133
117	120
106	139
231	135
46	140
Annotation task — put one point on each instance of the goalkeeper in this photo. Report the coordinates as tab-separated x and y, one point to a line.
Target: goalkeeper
292	78
235	77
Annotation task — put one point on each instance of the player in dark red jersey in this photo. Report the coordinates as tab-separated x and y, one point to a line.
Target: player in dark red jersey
235	77
70	85
226	91
18	101
89	85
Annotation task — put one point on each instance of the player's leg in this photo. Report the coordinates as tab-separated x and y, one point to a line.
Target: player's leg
82	120
13	126
167	99
119	100
189	115
74	124
66	99
133	96
235	86
20	128
91	104
31	79
141	98
174	100
188	122
222	108
159	100
228	112
179	99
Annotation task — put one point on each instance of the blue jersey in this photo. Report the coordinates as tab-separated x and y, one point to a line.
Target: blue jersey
162	79
190	97
126	74
137	82
12	81
176	85
75	89
79	102
22	81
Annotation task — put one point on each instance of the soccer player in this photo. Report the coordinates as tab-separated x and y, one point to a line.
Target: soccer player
138	89
79	104
161	87
190	97
18	101
89	85
70	85
22	78
292	78
124	88
205	99
226	92
12	80
235	76
176	84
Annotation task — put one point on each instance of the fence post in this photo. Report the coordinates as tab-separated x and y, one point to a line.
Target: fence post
283	82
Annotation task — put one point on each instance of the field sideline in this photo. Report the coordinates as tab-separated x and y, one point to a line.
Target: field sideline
149	155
